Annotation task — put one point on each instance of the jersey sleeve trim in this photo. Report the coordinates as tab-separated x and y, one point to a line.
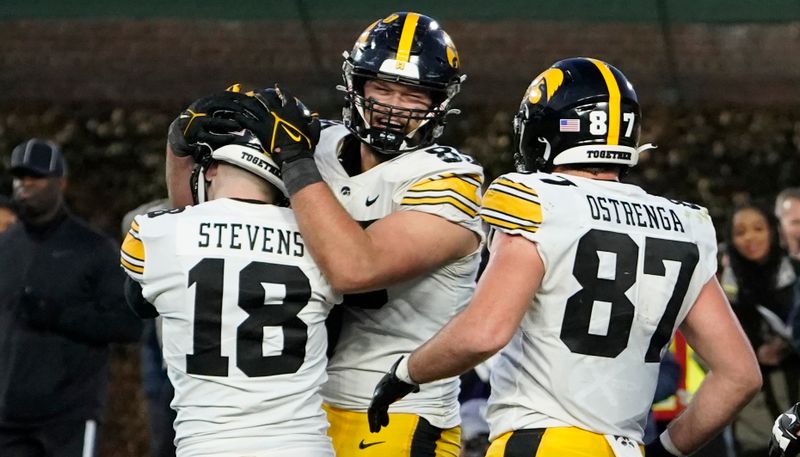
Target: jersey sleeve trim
132	253
512	206
460	191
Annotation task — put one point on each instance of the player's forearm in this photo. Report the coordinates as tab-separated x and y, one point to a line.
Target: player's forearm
338	244
178	174
467	340
493	316
713	406
448	354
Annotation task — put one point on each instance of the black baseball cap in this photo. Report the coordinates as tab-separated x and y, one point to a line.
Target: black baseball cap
38	158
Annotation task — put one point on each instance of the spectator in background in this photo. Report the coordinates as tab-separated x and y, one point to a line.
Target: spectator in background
158	390
8	215
787	210
61	303
762	278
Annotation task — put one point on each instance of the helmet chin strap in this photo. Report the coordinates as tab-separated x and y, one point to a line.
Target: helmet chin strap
545	158
199	185
546	153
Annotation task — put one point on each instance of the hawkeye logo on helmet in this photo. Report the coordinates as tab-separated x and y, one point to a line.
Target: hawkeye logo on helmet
548	82
452	53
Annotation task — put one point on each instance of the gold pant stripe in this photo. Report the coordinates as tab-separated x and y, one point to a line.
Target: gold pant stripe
407	435
551	442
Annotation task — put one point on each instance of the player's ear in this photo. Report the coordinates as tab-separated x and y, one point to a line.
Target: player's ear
212	170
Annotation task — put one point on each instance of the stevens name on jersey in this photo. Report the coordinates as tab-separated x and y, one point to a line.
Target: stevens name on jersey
250	237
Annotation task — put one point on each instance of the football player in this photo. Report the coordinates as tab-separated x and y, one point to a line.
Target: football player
396	216
243	307
588	280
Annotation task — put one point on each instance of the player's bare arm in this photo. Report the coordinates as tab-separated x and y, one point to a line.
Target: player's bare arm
733	379
504	293
508	284
178	172
396	248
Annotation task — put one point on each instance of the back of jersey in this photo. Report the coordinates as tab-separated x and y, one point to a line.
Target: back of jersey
243	308
622	270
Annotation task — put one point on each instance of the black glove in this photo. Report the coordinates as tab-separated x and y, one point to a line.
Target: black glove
38	312
290	132
389	390
784	440
208	122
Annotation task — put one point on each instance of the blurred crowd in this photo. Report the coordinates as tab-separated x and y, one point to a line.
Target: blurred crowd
716	157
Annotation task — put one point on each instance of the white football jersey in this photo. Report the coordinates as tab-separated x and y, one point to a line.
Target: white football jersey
622	270
437	180
243	307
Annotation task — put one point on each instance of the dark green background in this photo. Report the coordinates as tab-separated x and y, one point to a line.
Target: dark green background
718	11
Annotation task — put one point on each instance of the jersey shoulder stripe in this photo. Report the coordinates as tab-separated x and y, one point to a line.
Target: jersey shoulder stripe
459	191
511	205
132	252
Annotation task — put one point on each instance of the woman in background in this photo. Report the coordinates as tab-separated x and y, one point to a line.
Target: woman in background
760	279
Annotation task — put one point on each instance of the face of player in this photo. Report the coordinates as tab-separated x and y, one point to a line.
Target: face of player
402	98
751	235
790	225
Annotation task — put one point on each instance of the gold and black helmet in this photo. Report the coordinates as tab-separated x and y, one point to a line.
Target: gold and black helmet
406	48
578	111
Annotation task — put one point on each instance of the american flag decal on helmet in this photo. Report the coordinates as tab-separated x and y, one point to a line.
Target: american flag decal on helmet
569	125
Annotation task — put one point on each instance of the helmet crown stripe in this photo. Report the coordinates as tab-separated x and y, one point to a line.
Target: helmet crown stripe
614	115
407	37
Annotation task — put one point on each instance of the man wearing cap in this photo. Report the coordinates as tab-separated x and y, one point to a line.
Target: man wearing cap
61	303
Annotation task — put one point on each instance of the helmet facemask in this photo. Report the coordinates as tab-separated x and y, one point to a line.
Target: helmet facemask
390	129
428	62
533	150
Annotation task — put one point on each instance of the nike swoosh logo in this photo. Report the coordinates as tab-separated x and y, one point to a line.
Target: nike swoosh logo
363	445
370	201
296	138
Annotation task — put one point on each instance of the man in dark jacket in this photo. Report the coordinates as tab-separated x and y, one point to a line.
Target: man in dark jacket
61	303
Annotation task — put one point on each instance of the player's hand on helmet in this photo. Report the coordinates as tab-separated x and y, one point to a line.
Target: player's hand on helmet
784	441
389	389
208	123
290	131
